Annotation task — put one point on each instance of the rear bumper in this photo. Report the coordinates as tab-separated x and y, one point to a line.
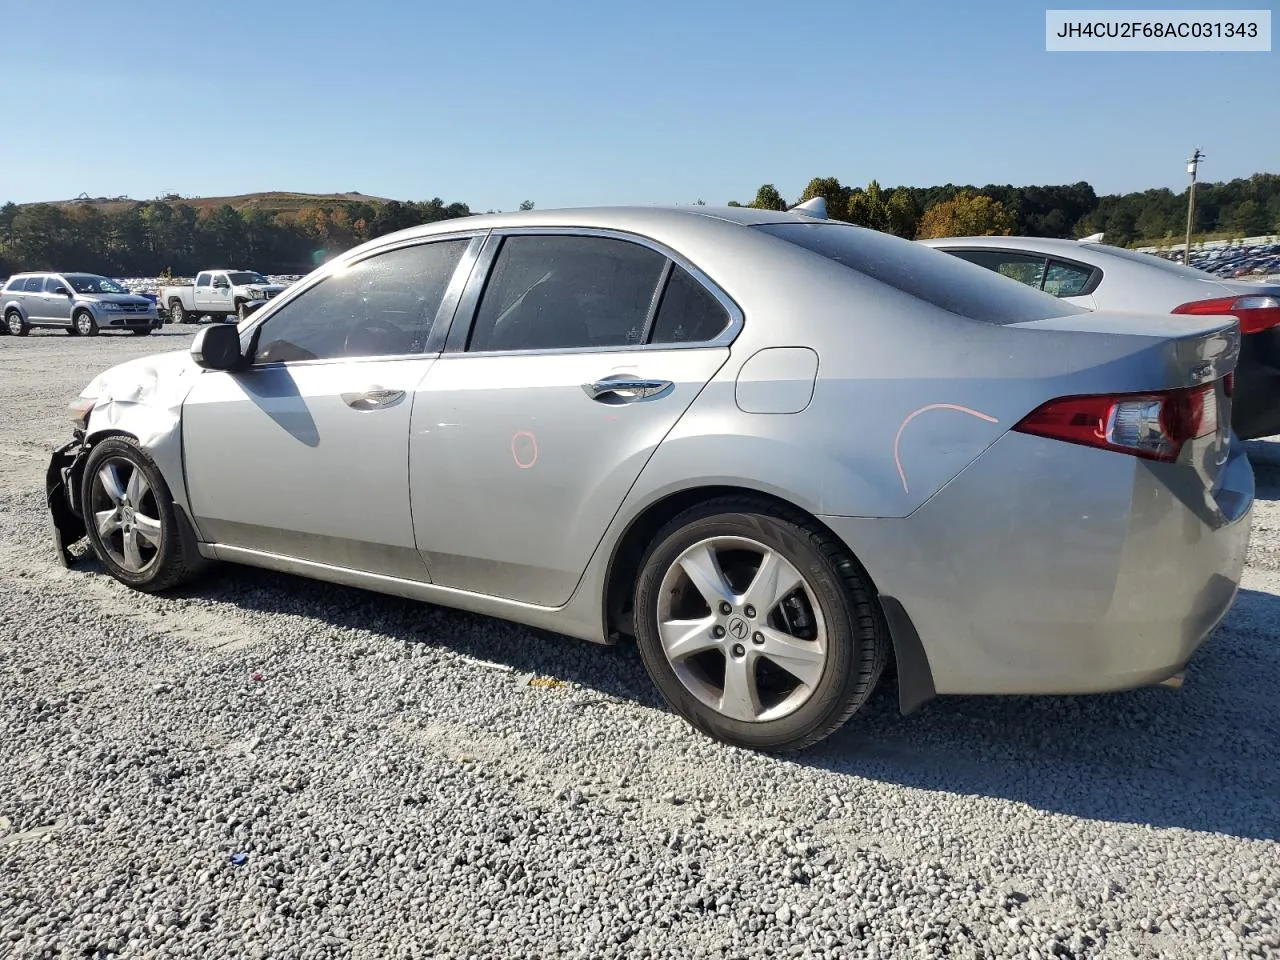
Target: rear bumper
1051	568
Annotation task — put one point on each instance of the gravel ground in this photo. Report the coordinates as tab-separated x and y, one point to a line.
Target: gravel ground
263	766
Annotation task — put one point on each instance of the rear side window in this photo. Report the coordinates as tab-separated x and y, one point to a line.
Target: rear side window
15	284
202	280
565	292
688	312
1066	279
34	285
929	275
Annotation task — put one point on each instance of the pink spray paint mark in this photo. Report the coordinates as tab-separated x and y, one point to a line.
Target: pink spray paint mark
897	459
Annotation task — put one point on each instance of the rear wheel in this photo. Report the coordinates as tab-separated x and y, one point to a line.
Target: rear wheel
178	313
757	626
84	323
14	323
131	520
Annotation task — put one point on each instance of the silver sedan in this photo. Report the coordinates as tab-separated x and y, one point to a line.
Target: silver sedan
774	450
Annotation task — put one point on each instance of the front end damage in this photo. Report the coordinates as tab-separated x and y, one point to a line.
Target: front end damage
62	493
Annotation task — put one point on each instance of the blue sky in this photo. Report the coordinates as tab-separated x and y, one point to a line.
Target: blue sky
614	101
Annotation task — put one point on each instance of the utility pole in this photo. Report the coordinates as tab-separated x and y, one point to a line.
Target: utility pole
1192	162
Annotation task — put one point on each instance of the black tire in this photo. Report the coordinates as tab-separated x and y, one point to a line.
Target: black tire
175	559
857	638
178	313
84	323
72	330
142	332
14	323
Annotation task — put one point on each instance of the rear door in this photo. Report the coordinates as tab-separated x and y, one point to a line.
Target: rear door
528	432
32	298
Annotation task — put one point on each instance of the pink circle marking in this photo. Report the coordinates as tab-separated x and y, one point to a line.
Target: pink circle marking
526	462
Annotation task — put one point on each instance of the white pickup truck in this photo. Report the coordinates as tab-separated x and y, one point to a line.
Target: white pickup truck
222	294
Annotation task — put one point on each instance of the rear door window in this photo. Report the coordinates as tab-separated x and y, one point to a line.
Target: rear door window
937	278
1026	268
34	285
563	292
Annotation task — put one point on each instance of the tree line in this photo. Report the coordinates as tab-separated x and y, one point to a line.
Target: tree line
146	238
1244	207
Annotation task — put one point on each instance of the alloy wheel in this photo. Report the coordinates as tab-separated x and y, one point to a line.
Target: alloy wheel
126	515
742	629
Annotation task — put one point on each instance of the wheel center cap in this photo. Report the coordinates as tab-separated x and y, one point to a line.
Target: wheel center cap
737	628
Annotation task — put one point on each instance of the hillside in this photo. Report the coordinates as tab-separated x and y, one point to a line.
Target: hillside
271	201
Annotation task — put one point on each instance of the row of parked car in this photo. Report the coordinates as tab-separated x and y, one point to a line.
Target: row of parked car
85	304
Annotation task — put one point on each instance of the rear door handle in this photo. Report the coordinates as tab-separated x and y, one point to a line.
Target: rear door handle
624	388
373	398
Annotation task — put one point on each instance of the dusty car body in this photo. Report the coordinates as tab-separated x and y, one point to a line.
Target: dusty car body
807	447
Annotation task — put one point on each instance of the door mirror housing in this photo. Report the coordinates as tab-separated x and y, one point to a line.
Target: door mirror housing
217	347
221	285
61	291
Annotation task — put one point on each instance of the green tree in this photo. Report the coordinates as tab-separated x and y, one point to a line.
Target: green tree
768	198
833	192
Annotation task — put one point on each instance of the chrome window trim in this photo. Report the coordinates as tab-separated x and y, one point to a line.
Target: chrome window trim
435	339
457	342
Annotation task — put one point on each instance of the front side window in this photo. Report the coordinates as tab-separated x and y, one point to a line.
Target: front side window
1066	279
379	307
688	312
566	292
51	284
1026	268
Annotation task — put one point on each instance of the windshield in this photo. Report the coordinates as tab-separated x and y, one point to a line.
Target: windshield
246	276
945	281
88	283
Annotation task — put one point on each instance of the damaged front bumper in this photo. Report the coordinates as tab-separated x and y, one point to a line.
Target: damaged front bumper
62	492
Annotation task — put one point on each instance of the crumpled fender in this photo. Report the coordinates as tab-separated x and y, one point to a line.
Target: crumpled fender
143	398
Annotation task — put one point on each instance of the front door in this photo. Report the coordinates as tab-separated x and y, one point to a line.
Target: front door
56	307
526	441
305	454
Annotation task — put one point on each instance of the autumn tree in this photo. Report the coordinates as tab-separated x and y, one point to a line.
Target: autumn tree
969	214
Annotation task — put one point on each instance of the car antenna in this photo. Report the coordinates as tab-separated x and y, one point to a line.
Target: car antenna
1092	238
815	208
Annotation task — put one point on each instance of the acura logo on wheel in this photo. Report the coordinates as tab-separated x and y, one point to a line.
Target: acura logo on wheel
738	628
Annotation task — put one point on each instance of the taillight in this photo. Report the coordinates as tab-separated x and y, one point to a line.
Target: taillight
1150	425
1255	313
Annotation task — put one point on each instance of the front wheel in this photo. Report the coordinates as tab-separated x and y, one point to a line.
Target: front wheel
757	626
84	324
14	323
131	520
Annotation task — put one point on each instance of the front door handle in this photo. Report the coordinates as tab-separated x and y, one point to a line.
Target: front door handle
624	388
373	398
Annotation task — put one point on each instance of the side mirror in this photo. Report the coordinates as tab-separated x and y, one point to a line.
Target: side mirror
217	347
61	292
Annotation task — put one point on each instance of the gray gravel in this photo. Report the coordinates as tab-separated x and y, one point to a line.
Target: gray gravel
263	766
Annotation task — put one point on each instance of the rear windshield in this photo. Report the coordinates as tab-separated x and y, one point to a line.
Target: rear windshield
929	275
1151	260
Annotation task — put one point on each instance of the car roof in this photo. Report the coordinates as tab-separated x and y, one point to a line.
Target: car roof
637	218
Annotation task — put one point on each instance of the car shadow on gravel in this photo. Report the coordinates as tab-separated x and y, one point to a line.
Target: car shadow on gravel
1204	758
